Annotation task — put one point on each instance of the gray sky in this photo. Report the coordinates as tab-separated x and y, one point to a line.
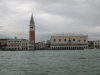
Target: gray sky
52	17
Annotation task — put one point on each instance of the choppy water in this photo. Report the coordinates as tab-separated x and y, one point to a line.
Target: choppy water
54	62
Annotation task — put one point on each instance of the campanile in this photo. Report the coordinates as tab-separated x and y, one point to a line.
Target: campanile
32	30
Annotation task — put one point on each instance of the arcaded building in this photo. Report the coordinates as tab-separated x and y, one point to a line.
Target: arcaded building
96	44
19	44
14	44
69	42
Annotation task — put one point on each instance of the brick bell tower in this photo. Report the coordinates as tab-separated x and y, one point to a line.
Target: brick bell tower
32	30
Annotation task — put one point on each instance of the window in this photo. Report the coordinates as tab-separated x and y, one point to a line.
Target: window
64	39
69	40
84	40
54	40
59	40
73	39
78	40
31	27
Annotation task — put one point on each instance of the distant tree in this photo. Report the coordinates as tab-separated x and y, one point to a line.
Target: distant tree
4	45
91	44
0	45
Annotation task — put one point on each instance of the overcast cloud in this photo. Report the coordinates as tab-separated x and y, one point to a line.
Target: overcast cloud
52	17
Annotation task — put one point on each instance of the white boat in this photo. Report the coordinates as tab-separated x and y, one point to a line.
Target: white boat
96	49
87	49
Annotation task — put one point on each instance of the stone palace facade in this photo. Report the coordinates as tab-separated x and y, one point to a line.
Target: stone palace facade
69	42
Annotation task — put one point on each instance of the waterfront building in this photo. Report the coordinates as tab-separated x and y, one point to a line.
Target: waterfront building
14	44
48	44
24	44
36	46
69	42
19	44
31	45
96	44
32	30
41	45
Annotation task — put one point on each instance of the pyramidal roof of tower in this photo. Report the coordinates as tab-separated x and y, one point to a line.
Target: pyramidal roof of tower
32	20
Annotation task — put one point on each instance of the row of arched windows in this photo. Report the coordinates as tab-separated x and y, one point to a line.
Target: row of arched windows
16	49
68	47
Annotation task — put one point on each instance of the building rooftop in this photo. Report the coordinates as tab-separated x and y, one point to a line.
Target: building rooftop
69	36
48	42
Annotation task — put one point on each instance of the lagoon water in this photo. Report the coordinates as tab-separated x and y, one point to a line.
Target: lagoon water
50	62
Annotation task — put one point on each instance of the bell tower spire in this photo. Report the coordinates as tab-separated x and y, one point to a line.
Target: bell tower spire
32	20
32	30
